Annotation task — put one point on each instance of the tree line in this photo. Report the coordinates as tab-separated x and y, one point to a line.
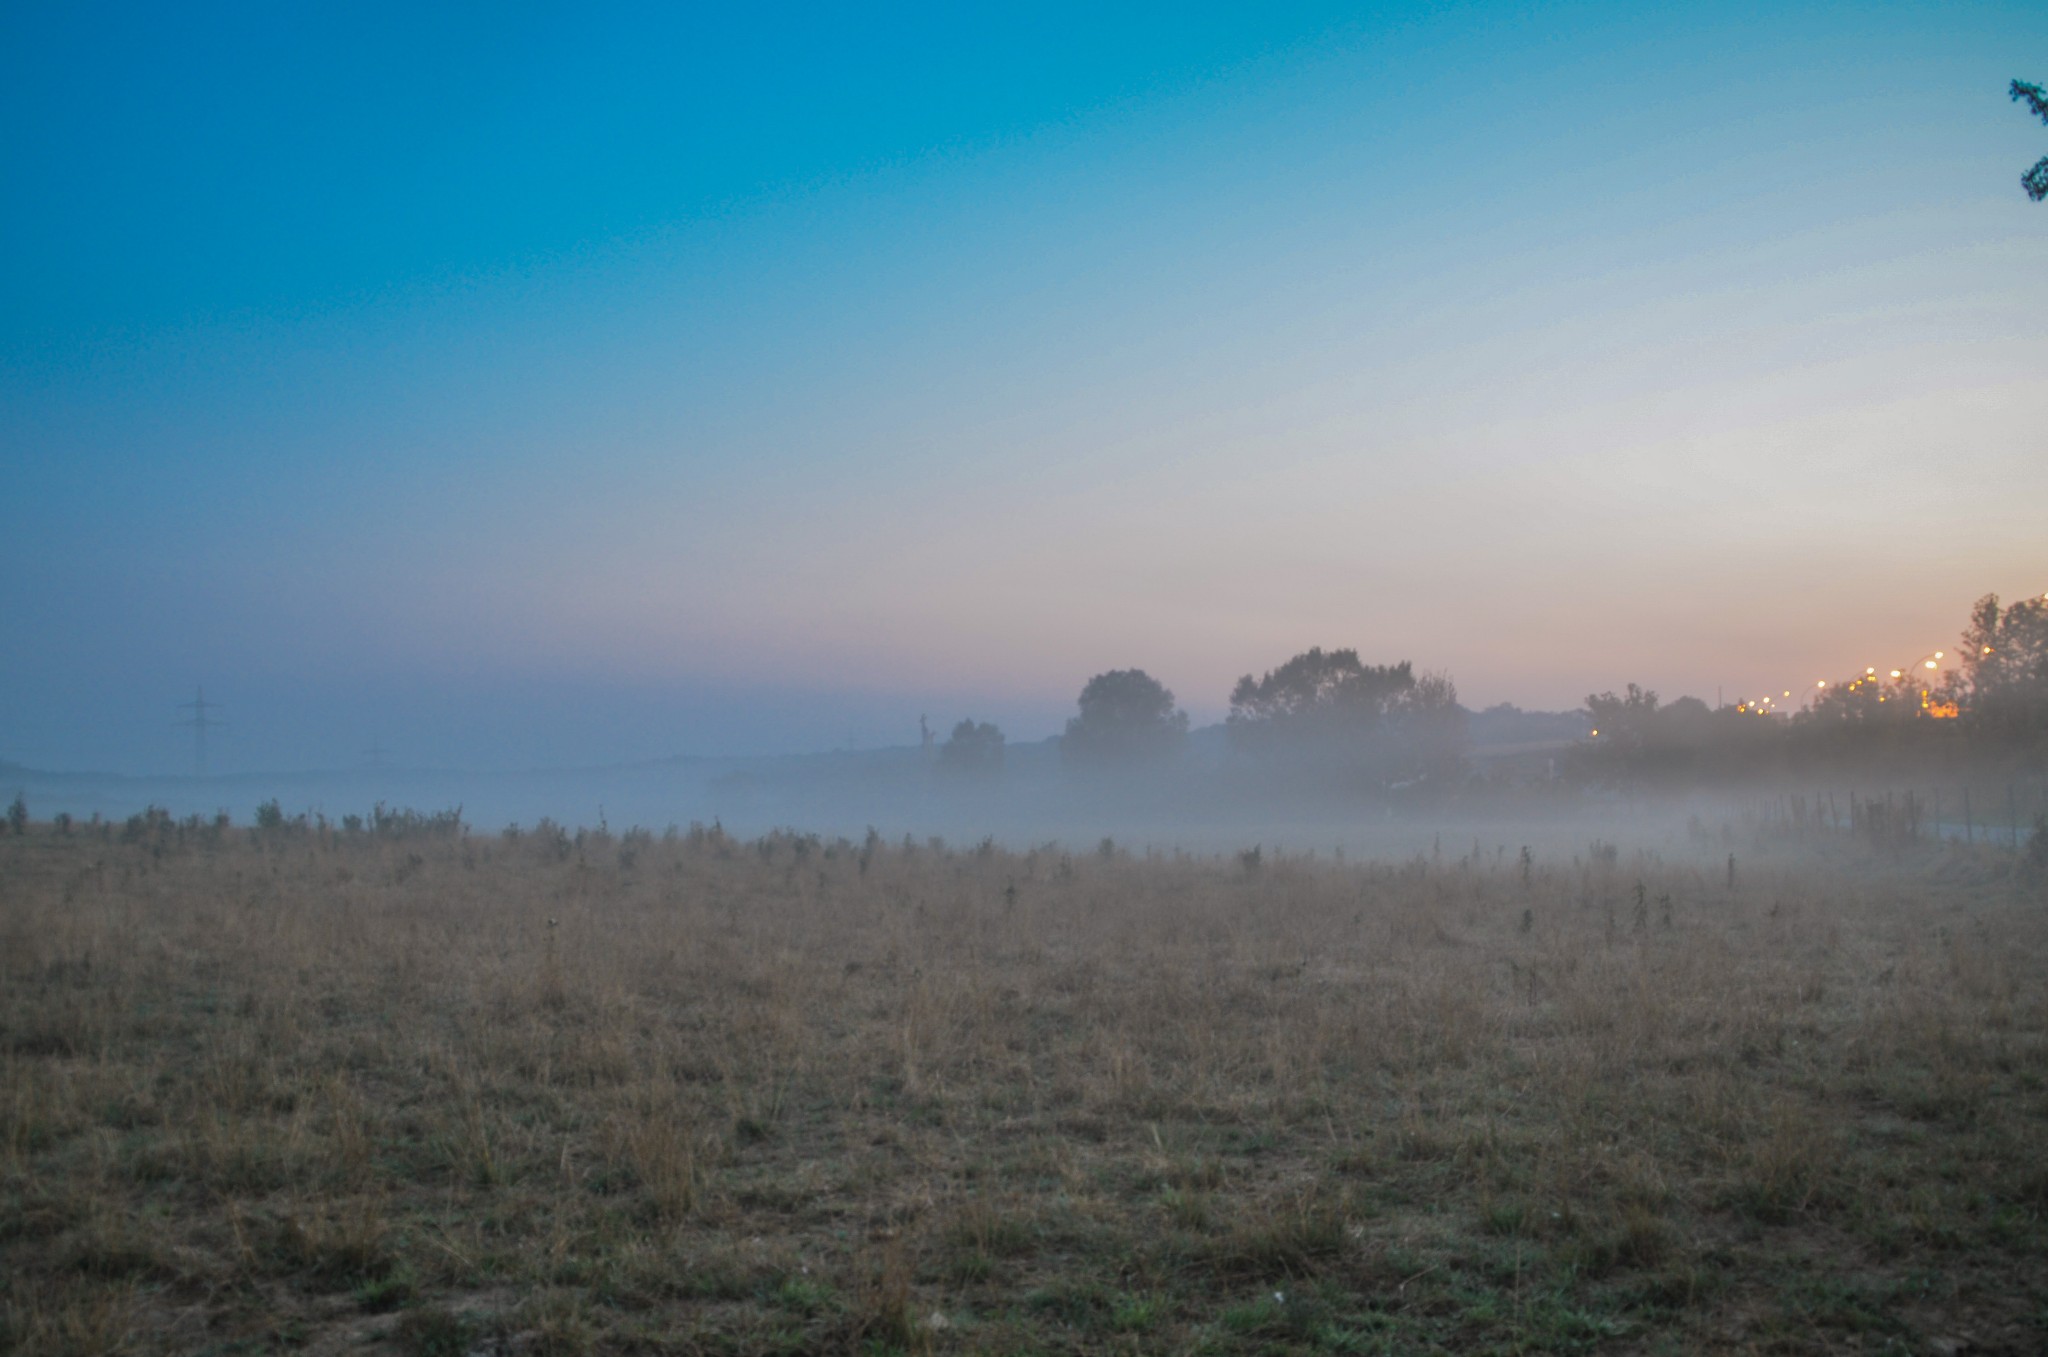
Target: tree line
1323	712
1327	718
1991	705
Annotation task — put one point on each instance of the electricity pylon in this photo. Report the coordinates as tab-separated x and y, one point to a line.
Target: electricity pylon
200	723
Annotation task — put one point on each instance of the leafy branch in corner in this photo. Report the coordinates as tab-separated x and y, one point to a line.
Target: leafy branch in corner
2034	181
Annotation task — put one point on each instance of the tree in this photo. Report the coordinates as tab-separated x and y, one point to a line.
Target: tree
1325	702
1433	727
1127	717
1639	739
2004	662
1623	722
1864	700
1433	695
2034	181
975	748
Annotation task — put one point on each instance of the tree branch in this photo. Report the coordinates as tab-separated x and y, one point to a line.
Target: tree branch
2036	97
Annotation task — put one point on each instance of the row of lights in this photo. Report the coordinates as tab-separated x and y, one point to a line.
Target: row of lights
1764	706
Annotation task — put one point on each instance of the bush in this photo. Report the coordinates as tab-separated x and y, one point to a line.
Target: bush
974	747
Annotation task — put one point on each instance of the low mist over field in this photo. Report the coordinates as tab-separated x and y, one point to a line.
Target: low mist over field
1324	751
903	679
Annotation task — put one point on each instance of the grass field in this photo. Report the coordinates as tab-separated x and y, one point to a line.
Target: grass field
430	1093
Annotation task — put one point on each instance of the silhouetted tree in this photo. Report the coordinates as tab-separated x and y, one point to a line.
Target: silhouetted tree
1433	694
2034	181
1623	722
2005	649
1640	740
1865	700
1320	702
973	748
2004	663
1127	717
1432	727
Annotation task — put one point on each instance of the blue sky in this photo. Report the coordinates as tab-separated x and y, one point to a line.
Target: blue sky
508	385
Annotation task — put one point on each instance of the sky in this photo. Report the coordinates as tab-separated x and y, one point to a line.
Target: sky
514	385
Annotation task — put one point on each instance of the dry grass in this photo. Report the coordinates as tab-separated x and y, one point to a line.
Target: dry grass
427	1094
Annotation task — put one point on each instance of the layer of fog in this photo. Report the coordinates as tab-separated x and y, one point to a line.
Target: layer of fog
1208	799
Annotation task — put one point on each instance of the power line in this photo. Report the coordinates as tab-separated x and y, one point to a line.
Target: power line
199	723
